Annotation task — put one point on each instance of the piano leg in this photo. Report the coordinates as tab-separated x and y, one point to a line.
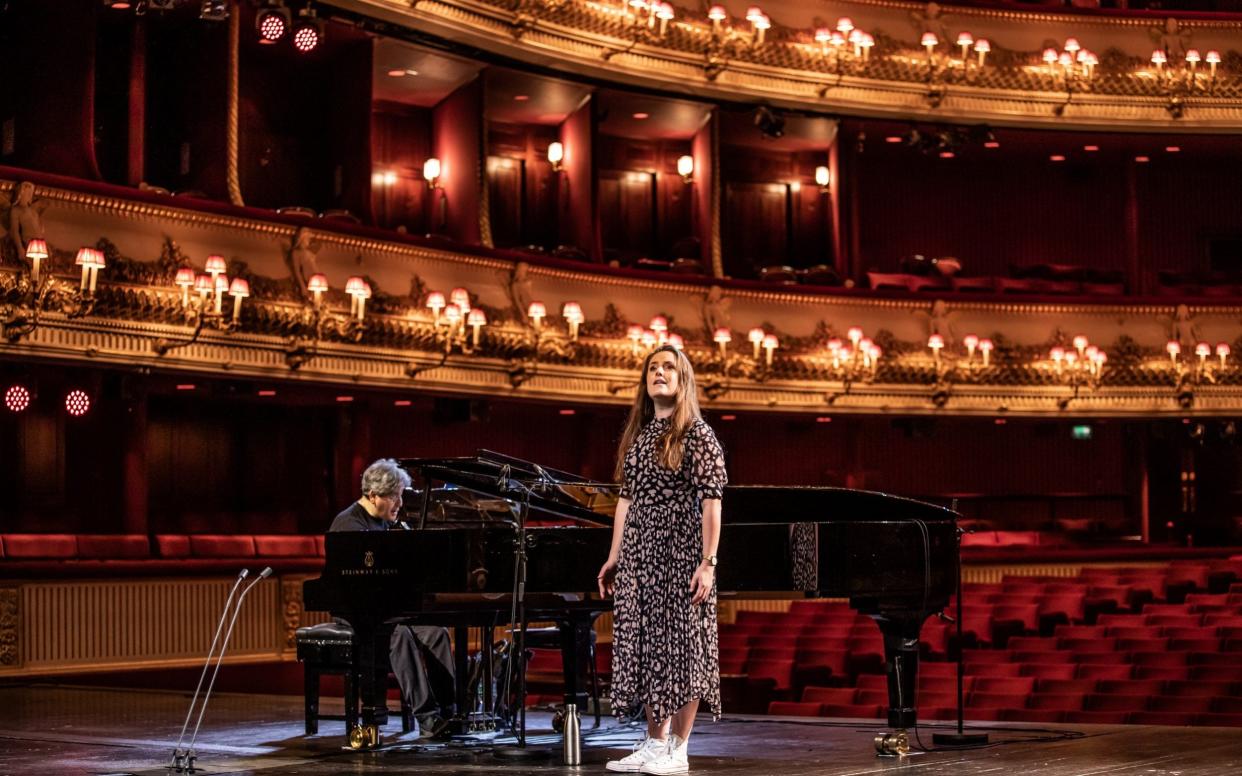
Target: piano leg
901	653
575	648
372	684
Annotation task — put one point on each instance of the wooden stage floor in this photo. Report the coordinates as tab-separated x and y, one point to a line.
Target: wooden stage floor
48	729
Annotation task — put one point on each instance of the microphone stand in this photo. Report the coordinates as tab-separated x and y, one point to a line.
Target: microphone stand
517	614
187	761
960	738
177	760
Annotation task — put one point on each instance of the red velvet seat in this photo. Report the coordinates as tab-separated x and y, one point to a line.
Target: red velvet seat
1104	671
773	653
794	709
1061	702
1066	686
942	684
1135	632
1188	704
1095	717
996	700
994	669
1044	657
1111	702
1143	687
850	710
1162	673
284	546
1173	718
1226	705
221	546
1080	632
838	695
872	695
40	546
114	547
779	671
836	660
1165	659
1089	645
1042	671
1211	646
1176	620
872	682
937	669
1142	645
1013	685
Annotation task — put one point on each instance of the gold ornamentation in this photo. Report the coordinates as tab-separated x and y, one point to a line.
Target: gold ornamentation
10	626
292	609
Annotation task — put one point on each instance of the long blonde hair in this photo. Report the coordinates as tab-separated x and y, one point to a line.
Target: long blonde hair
672	443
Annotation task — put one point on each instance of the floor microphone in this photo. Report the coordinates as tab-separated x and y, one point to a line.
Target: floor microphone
202	709
177	756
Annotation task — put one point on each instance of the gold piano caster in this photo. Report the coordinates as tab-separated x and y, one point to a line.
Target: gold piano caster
364	737
893	743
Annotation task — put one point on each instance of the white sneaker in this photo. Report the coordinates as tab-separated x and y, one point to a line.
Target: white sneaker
673	760
646	751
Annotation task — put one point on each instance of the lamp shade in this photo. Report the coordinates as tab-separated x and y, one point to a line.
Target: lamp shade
685	166
185	277
240	287
431	169
216	265
36	249
556	153
317	283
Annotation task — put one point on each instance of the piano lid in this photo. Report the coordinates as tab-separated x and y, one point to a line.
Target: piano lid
491	484
483	478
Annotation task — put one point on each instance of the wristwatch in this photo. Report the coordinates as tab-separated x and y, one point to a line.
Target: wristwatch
710	560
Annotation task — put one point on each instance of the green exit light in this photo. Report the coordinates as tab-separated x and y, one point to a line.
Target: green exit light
1081	432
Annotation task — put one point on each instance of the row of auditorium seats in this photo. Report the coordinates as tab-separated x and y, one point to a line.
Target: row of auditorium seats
26	555
1148	644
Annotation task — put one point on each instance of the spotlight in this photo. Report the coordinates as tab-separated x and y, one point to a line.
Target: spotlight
767	122
307	31
272	22
17	398
77	403
214	10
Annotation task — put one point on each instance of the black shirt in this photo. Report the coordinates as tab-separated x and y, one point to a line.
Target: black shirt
356	518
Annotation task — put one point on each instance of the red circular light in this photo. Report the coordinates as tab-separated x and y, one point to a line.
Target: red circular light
17	398
272	27
306	39
77	403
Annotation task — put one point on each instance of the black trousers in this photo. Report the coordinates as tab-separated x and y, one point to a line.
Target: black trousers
422	660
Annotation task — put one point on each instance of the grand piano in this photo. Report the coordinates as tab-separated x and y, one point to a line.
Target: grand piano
498	540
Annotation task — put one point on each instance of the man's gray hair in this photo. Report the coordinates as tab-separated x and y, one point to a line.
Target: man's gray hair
384	478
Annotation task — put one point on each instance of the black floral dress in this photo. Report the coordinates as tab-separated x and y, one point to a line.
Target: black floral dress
665	650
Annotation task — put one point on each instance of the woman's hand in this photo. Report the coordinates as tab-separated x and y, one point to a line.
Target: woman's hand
607	577
701	583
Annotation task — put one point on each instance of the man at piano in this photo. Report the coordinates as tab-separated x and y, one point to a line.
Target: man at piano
661	567
421	656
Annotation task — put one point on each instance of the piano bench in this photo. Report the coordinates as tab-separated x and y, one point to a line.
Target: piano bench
328	648
550	638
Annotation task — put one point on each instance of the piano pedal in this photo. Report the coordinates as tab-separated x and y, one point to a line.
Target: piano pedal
892	743
364	737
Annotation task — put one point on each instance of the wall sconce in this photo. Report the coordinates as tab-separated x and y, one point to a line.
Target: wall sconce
38	291
359	292
206	308
431	172
822	178
556	155
859	361
91	261
572	313
36	251
457	316
318	286
722	337
537	311
685	168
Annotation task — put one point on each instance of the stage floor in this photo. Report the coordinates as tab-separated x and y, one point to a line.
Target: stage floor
66	730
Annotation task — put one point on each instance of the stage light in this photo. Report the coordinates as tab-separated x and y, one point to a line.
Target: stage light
768	123
17	398
307	31
272	22
118	5
77	403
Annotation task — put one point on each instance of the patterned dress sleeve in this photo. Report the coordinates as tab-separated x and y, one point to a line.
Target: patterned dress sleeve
706	460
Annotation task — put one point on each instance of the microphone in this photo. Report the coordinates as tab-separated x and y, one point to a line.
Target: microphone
264	574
